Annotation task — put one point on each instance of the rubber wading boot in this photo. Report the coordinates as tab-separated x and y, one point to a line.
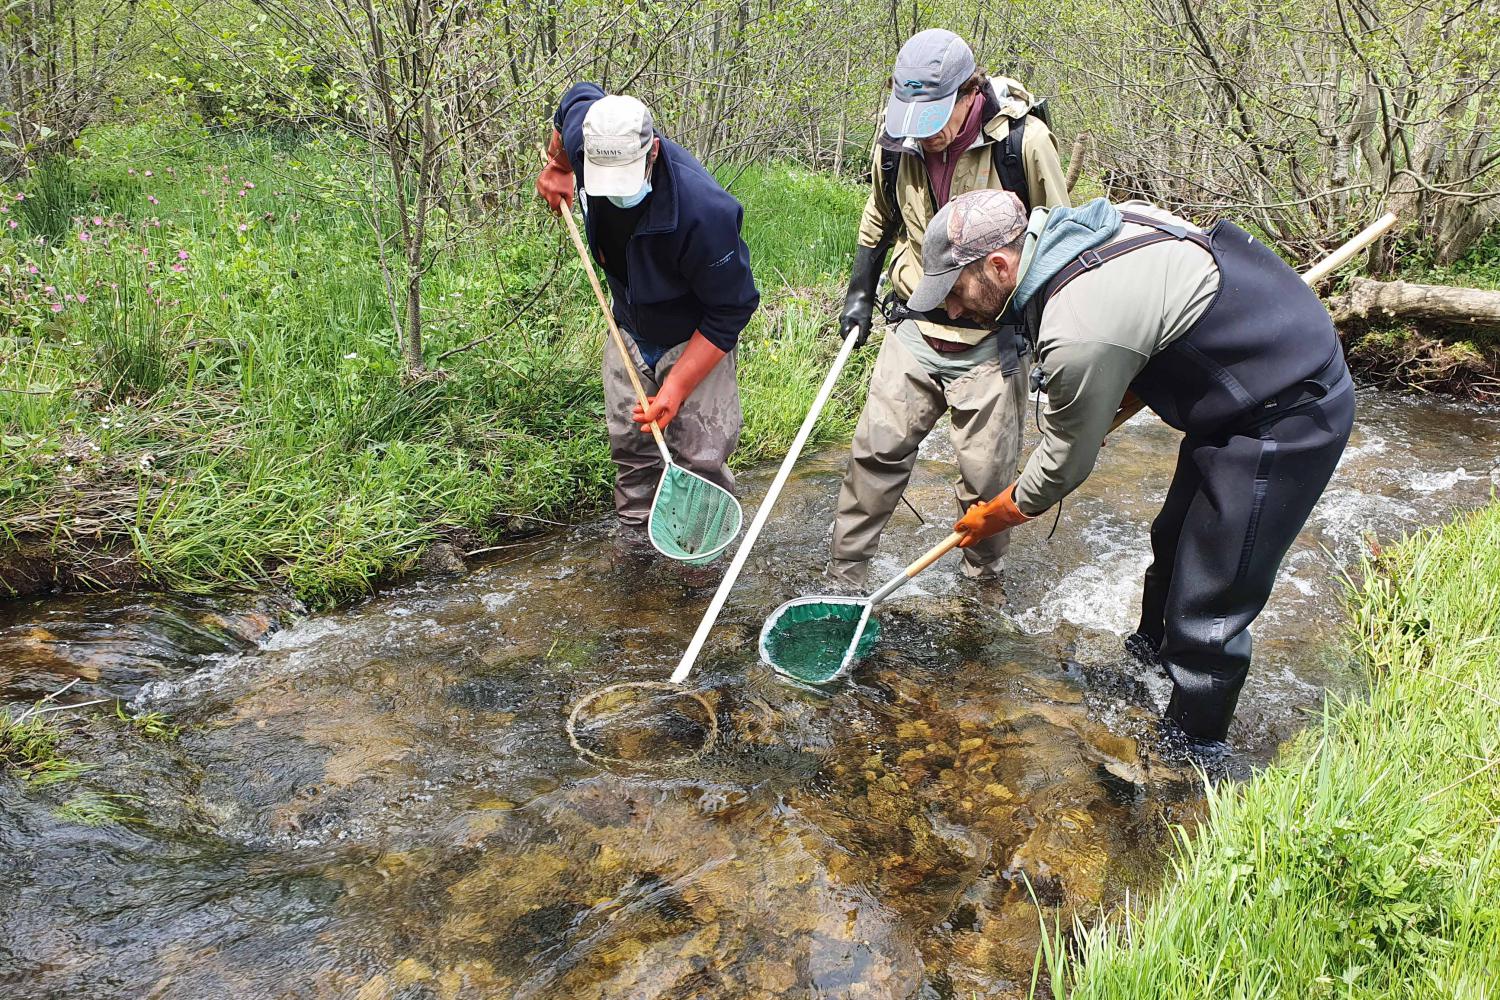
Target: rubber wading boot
631	546
1145	650
1203	719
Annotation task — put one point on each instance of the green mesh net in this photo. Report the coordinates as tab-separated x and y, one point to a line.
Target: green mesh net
692	519
809	640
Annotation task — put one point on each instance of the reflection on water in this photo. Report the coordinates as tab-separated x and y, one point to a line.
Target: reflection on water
383	802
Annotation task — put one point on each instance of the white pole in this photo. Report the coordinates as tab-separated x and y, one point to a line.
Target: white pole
753	532
1346	252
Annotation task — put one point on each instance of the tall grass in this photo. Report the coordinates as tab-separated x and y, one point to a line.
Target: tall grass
1367	863
197	361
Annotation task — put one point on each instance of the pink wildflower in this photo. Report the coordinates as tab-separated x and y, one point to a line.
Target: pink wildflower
85	236
242	192
57	307
243	227
20	196
31	268
4	208
182	255
250	184
81	297
148	173
98	221
131	171
13	223
152	199
179	267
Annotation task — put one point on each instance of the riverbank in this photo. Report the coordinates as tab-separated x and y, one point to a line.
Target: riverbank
1367	862
200	389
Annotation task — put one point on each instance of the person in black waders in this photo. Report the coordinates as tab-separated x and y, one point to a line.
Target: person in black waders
1217	335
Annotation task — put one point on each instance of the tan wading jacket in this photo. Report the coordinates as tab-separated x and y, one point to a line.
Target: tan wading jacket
976	171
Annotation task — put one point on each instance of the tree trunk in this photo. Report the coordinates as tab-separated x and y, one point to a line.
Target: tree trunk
1367	299
1075	160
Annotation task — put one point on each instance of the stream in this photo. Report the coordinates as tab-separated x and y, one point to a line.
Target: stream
382	802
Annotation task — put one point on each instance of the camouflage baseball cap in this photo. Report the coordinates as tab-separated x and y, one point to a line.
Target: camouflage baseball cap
969	227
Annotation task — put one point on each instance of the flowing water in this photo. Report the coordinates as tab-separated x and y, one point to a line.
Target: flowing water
383	802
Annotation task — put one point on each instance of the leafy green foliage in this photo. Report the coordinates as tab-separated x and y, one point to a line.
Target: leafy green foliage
152	725
93	808
1479	267
210	340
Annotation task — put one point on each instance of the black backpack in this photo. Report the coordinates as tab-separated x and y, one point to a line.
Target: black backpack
1008	165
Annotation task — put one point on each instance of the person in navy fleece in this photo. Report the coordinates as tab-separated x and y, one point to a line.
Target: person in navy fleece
668	237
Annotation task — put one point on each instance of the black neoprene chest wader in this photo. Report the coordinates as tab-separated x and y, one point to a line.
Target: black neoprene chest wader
1263	397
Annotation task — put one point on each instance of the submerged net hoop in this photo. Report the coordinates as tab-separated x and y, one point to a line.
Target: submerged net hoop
692	520
626	716
814	641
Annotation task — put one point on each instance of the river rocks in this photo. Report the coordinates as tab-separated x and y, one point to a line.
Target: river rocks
442	559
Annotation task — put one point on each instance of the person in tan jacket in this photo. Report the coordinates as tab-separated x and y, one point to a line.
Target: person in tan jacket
949	128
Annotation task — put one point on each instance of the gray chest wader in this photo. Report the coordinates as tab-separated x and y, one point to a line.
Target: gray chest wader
1260	391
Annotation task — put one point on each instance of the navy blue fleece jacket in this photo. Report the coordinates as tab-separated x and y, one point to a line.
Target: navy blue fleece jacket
688	267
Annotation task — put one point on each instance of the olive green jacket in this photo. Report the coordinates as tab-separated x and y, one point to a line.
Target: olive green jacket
976	171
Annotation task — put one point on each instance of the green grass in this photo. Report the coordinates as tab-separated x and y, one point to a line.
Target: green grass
197	364
151	725
100	808
1367	863
29	741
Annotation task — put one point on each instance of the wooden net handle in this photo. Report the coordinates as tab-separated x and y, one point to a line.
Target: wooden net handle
609	317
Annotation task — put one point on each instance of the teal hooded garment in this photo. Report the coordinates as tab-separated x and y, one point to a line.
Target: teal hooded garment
1065	233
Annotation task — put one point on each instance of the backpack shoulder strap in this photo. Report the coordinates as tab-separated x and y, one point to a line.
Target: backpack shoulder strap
890	166
1008	163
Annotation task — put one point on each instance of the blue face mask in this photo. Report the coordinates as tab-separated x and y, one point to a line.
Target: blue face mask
632	200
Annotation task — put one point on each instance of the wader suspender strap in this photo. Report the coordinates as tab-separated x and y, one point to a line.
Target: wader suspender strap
1090	259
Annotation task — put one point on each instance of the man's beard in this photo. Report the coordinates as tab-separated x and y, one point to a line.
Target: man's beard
990	298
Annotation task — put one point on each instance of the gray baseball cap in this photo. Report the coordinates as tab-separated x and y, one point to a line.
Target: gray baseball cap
969	227
617	133
930	68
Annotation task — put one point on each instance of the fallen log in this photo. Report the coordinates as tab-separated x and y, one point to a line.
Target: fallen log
1385	300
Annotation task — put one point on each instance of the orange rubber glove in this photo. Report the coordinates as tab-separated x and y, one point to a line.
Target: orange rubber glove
691	368
990	517
555	182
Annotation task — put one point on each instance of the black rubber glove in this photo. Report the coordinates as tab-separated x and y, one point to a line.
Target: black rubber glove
859	302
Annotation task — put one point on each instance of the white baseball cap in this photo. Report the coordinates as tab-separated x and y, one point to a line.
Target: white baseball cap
617	134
